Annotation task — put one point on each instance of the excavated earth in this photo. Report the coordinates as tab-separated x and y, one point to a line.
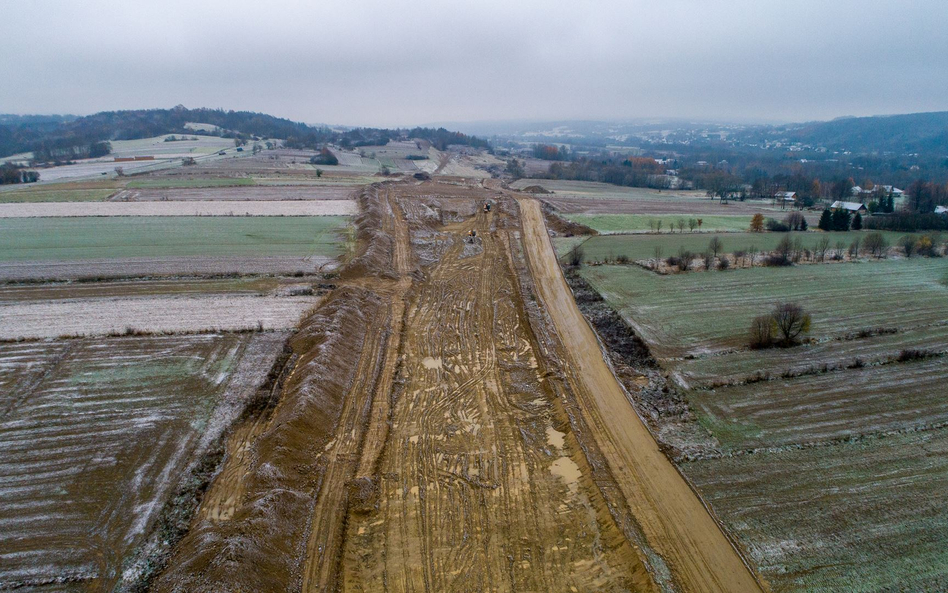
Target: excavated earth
436	430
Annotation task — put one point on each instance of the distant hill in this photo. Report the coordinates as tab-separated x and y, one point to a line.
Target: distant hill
65	137
916	132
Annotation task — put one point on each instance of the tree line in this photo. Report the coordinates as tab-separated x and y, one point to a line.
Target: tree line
61	139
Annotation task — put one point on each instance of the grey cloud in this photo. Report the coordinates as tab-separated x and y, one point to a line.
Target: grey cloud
401	63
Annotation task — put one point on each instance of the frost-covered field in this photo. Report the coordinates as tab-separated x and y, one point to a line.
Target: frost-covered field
828	459
182	208
94	436
162	314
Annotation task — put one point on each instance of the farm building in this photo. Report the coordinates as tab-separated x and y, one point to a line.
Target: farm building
787	196
850	206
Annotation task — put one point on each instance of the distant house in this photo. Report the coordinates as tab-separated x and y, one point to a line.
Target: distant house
787	196
888	189
850	206
941	209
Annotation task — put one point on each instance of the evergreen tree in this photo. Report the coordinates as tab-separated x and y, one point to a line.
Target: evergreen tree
804	225
857	222
826	221
841	220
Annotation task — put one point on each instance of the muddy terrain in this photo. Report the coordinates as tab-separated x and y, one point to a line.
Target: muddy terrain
448	423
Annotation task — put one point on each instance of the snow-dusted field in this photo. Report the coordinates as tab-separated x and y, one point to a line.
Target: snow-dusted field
182	208
94	436
167	314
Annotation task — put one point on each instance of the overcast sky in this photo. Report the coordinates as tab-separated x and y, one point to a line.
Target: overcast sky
375	63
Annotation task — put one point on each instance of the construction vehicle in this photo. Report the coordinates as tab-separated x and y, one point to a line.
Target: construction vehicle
487	206
472	236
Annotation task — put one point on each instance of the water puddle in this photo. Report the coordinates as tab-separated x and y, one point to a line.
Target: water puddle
432	363
566	469
555	438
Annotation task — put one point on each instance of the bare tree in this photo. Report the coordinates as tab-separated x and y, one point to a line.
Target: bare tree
692	223
752	252
739	255
657	252
822	246
681	225
658	225
715	246
791	322
708	259
854	248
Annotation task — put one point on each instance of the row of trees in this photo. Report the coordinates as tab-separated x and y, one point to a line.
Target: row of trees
10	174
693	224
626	172
67	139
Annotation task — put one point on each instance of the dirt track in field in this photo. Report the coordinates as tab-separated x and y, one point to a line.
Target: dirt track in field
434	434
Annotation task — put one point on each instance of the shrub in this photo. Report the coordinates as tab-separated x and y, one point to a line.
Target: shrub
776	226
708	259
761	332
795	221
684	259
926	247
576	257
908	243
724	263
876	245
622	259
910	354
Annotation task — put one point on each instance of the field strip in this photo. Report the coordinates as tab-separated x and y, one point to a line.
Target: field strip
101	316
671	515
137	267
182	208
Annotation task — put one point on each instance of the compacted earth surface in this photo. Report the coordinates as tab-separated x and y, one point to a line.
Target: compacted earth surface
448	422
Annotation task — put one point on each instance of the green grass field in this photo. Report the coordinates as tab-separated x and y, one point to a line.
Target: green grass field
637	247
640	223
48	194
170	182
860	516
830	478
700	312
45	239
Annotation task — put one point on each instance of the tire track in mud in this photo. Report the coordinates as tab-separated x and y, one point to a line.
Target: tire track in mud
674	520
476	487
419	443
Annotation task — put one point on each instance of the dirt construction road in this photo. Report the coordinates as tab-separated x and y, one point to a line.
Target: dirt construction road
433	434
672	517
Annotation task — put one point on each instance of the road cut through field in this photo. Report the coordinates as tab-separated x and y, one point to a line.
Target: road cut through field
432	434
675	522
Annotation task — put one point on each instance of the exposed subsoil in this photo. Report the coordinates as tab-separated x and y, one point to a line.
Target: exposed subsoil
438	430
